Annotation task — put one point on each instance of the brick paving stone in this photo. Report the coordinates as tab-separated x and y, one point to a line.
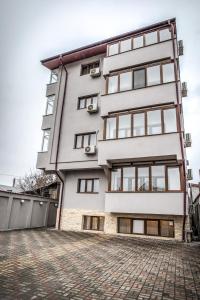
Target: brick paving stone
56	265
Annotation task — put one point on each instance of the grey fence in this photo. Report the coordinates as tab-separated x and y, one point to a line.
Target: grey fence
18	211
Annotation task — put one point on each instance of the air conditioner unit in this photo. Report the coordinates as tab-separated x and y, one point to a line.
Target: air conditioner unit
95	72
184	89
180	48
90	149
189	174
92	108
188	140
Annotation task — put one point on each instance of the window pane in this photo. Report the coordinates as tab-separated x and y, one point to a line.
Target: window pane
50	103
154	122
111	128
165	34
94	223
78	141
125	81
82	186
115	179
89	185
82	103
125	225
174	179
54	77
143	179
45	143
88	101
168	72
94	100
138	226
129	179
170	120
153	75
85	70
167	228
85	140
113	49
124	126
93	139
138	124
138	42
152	227
158	178
139	79
151	38
86	224
101	223
96	186
112	84
125	45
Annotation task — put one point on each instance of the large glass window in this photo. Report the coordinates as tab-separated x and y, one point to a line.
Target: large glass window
138	226
125	81
138	124
139	79
116	180
165	34
111	128
143	179
112	84
138	42
174	179
152	227
153	75
124	225
129	179
168	72
158	178
154	122
45	142
124	126
170	124
125	45
151	38
113	49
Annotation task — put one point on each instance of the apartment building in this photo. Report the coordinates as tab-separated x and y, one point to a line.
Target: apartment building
113	132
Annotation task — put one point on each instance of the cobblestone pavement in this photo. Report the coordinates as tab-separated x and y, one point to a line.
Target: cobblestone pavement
47	264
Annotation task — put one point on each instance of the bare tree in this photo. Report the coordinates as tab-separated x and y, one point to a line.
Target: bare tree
35	181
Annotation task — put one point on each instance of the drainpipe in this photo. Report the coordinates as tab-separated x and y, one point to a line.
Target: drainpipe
58	173
180	134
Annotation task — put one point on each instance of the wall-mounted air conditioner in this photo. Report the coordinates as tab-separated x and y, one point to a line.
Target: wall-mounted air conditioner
184	89
189	174
180	48
95	72
188	140
92	108
90	149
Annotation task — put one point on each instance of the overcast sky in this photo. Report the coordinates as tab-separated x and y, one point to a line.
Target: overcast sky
31	30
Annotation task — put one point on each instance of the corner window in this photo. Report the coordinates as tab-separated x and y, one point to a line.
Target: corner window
126	45
85	69
45	141
112	84
84	140
153	75
125	80
50	104
151	38
168	72
53	76
88	185
113	49
93	223
174	183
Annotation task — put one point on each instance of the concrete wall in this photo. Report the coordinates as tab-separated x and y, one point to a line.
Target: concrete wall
72	199
30	214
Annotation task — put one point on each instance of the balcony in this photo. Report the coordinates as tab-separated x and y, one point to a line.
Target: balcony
145	203
138	56
154	95
138	147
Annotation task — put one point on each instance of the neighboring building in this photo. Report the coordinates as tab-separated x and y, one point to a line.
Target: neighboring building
195	209
8	188
51	190
113	132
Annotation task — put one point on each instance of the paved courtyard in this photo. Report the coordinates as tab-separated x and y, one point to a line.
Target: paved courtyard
46	264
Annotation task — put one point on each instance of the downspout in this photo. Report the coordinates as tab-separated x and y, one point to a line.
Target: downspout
180	133
58	173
